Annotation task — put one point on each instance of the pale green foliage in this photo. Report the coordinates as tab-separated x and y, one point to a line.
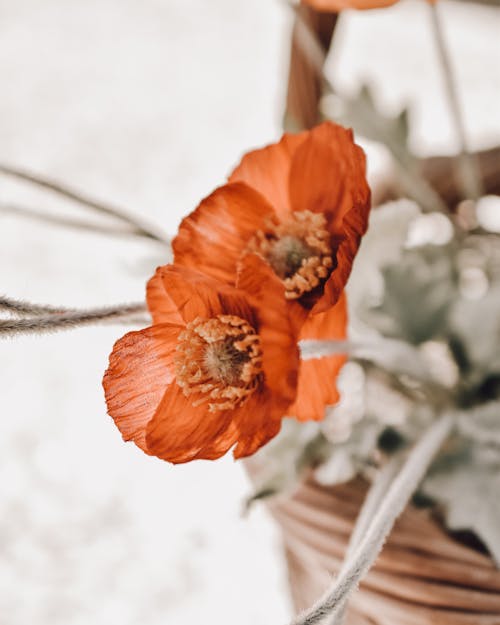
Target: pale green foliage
425	329
363	115
469	492
419	291
277	467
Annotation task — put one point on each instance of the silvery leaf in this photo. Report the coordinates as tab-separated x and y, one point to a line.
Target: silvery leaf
417	296
469	495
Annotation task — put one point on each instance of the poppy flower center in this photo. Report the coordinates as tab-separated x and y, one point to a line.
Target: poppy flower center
219	359
298	250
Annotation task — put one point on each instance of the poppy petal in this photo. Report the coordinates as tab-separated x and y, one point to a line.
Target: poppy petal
355	225
268	170
277	334
140	369
214	236
316	386
258	421
316	179
177	293
334	6
325	168
328	175
179	431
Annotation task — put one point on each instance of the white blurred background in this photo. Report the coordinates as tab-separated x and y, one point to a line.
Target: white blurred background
148	105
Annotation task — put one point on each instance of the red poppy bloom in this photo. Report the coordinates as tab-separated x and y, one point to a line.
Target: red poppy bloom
334	6
301	205
216	369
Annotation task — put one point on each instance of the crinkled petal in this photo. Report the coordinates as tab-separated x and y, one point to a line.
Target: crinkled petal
213	237
334	6
176	293
316	181
140	370
258	421
328	175
277	333
252	425
267	170
316	387
179	431
355	224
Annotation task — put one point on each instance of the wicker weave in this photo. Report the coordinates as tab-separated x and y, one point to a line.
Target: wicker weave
422	577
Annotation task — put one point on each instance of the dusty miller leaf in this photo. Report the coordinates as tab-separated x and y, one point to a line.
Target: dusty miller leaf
482	425
469	493
279	465
362	114
418	292
347	459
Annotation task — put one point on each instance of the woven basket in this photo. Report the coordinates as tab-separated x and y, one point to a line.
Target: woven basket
422	577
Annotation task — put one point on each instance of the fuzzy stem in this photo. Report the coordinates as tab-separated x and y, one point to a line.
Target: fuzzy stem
66	222
311	348
397	498
140	228
370	506
68	319
392	354
467	165
24	308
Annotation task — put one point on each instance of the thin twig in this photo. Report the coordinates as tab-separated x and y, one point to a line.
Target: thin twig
66	222
139	227
69	319
397	498
468	167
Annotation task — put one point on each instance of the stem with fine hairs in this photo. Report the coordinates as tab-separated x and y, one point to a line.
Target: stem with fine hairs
468	169
139	227
396	499
52	319
22	308
371	504
23	212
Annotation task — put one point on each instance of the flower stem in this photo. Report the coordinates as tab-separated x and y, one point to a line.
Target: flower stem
139	227
119	230
48	319
370	506
467	165
398	495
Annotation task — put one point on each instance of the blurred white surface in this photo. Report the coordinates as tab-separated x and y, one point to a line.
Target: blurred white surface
148	105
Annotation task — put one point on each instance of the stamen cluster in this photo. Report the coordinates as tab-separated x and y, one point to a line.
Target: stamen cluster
220	359
298	249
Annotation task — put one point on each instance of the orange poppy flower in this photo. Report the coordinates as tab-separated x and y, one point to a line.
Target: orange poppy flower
334	6
216	369
301	205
